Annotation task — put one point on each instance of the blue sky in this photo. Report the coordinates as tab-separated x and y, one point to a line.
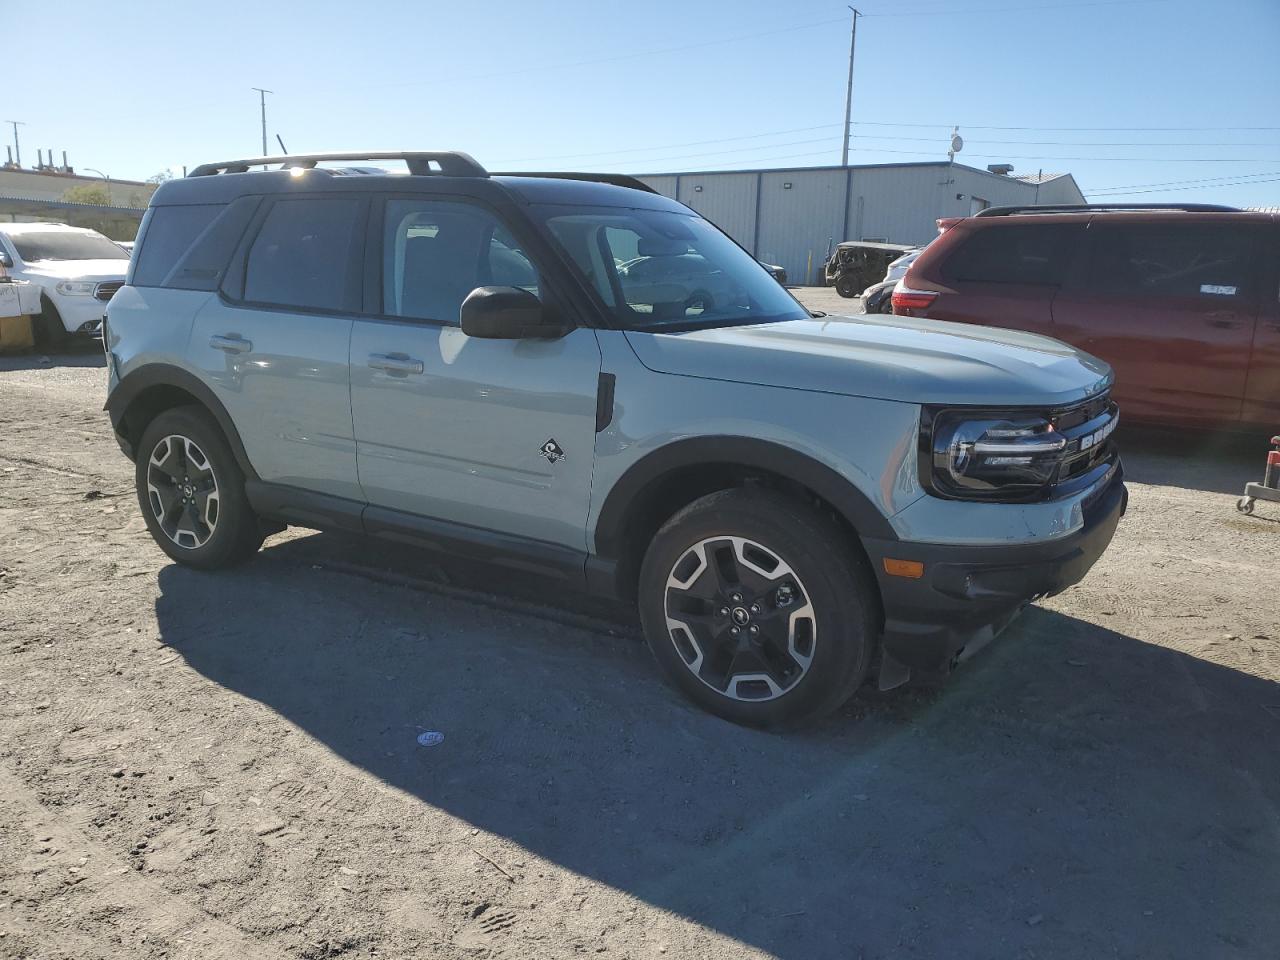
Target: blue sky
1062	85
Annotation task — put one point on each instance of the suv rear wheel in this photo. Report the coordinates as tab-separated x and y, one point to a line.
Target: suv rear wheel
757	609
192	491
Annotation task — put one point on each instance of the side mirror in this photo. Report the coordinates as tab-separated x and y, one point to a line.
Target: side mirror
507	313
6	261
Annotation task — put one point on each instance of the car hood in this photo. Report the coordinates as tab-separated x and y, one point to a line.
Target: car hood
888	357
78	269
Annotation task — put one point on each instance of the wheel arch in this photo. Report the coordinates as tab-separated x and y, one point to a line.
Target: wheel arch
144	394
671	477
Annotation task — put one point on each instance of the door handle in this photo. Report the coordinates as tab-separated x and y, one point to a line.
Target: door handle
1221	323
231	344
395	363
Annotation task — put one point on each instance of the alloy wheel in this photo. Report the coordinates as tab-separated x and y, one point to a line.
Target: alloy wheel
740	619
182	491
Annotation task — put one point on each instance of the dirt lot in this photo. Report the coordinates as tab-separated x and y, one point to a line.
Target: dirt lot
227	766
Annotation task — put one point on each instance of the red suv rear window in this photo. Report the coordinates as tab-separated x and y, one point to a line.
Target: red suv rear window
1034	253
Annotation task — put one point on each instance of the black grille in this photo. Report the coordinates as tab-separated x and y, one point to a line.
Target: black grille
106	290
1091	449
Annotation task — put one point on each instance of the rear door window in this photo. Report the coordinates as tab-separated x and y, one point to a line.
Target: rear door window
169	234
1175	260
1035	254
305	255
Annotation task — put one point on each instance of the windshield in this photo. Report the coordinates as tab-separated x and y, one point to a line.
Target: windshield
660	270
71	245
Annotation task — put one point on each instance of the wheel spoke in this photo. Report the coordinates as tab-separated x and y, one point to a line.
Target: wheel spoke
167	458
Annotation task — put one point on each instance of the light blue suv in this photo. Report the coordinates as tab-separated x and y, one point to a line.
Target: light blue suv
459	360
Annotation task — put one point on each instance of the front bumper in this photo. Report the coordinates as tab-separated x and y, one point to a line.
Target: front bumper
80	315
968	594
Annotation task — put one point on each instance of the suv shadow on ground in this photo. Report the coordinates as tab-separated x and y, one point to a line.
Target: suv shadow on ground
1073	792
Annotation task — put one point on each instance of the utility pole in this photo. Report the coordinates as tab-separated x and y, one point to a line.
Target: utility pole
848	96
17	150
262	97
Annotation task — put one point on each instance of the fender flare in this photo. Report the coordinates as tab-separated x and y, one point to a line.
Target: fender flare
854	505
135	384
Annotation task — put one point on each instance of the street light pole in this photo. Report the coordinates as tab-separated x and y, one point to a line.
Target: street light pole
17	150
262	97
107	179
848	96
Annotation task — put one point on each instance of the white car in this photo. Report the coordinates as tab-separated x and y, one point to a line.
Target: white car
77	271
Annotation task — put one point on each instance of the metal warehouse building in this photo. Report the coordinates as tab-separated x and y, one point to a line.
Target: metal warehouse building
794	216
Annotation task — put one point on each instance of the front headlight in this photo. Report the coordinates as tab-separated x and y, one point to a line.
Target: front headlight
76	288
983	456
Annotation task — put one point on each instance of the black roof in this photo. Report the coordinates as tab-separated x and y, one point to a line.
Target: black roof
431	173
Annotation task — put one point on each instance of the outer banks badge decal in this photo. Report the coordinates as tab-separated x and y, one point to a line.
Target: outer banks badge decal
552	451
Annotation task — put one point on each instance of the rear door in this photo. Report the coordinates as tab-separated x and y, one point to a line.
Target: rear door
1171	305
1262	390
494	435
1005	274
274	345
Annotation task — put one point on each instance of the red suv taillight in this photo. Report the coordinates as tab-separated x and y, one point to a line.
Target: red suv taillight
912	303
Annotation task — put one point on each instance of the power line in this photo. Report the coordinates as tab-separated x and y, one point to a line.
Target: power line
1095	193
1242	177
1024	8
675	146
653	51
975	126
1069	143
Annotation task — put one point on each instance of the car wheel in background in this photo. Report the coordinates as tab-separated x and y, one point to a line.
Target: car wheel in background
846	287
191	491
757	608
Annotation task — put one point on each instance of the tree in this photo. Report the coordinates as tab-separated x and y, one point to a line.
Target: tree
88	193
164	176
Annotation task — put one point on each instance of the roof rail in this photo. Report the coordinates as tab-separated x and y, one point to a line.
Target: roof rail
1102	207
617	179
451	163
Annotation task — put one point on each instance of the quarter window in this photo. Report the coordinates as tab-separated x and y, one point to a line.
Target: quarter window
1189	260
302	256
435	252
169	235
1013	253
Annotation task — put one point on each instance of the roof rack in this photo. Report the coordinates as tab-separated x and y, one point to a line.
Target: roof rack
450	163
617	179
1101	207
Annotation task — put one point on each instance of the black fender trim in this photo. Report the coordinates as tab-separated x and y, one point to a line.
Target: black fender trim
139	381
852	503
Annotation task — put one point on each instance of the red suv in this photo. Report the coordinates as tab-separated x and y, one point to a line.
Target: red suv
1183	302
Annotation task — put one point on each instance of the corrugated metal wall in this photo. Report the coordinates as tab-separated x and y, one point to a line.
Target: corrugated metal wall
792	217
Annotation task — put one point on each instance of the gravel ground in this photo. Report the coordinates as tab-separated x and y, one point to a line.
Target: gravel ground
226	765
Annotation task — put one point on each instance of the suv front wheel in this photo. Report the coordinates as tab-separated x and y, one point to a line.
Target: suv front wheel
192	491
757	608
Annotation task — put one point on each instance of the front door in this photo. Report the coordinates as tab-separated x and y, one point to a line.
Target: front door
491	435
1172	308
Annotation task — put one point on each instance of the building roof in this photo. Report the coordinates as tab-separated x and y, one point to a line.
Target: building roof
1037	177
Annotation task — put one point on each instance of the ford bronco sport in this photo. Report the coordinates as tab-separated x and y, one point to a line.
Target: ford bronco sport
459	360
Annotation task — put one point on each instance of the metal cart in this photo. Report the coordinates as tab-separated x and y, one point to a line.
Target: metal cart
1269	488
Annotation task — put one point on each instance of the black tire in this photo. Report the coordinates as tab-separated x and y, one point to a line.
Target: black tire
827	575
50	333
846	287
235	533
